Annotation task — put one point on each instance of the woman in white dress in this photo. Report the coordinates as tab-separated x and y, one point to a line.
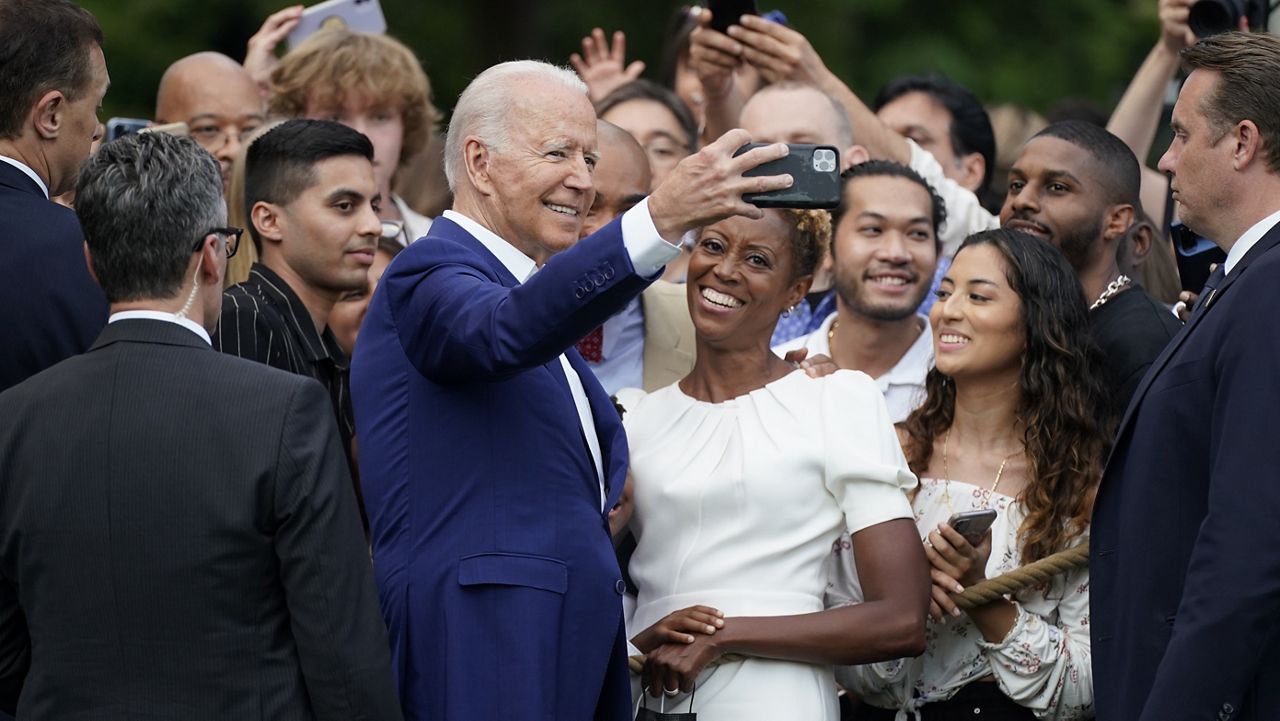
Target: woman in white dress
745	473
1015	421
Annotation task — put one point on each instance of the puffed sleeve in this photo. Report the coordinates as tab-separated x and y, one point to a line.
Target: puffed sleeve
1045	663
865	468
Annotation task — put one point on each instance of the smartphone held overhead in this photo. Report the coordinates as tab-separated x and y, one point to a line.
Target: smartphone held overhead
727	12
360	15
814	169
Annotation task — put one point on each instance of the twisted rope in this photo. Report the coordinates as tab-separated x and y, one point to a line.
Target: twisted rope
979	594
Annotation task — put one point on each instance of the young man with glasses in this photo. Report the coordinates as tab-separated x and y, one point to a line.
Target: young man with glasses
312	202
170	552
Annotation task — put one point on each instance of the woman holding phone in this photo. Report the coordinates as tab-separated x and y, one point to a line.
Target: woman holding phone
1011	423
745	473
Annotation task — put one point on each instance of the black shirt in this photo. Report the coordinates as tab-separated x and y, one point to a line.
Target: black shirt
1131	329
265	321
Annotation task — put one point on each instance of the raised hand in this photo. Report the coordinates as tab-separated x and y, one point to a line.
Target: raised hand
713	57
260	54
707	187
778	52
603	68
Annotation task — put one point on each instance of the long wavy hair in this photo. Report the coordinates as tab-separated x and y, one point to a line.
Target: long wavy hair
1061	399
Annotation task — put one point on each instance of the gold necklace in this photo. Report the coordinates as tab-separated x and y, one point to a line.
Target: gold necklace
946	471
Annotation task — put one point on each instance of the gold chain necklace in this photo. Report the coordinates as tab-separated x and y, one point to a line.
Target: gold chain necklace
946	471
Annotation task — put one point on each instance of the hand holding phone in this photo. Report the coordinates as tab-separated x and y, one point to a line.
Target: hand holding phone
973	524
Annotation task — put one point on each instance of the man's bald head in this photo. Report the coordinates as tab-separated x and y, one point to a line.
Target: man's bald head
621	178
215	96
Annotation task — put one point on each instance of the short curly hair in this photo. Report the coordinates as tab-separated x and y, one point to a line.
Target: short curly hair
335	61
810	238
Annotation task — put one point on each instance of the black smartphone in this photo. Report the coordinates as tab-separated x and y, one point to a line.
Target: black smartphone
120	127
726	12
815	170
973	524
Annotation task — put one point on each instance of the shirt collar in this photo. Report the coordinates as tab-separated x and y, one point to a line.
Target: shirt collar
318	346
516	262
914	365
1250	239
183	321
26	169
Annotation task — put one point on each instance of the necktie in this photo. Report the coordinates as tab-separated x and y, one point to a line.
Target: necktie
1210	287
592	346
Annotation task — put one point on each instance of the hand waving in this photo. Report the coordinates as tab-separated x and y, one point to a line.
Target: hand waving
602	68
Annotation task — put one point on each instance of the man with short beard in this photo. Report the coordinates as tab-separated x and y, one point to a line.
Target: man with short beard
1076	186
885	249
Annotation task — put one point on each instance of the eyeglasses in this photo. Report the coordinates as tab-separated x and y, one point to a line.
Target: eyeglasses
215	137
392	229
231	234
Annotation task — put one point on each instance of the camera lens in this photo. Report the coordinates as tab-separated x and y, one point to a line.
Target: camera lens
824	160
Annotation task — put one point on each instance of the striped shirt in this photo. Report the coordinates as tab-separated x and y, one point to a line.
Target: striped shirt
265	321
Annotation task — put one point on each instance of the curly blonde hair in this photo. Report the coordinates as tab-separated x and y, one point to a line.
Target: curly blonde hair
334	62
810	238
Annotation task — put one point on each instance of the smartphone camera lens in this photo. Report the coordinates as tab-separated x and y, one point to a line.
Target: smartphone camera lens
824	160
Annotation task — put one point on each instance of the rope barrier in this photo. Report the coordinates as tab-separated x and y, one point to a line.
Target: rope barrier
979	594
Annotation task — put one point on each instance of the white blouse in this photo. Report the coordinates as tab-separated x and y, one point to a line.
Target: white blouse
1044	663
737	505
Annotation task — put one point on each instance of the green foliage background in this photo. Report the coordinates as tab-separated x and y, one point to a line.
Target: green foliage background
1031	52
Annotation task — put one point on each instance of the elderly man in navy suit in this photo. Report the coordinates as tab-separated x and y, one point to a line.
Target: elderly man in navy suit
52	81
1184	558
489	453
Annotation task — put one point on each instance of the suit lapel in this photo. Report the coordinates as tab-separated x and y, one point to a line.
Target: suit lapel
1268	241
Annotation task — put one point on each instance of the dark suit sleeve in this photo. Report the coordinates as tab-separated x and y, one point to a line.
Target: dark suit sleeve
15	648
456	324
1227	616
326	570
244	331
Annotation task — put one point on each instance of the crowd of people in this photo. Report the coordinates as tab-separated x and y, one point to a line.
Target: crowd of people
316	410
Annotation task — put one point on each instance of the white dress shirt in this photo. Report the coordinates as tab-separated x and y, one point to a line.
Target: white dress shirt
648	253
1250	239
26	169
965	215
183	321
902	385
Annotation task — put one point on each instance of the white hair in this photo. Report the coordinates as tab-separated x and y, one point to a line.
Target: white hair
484	106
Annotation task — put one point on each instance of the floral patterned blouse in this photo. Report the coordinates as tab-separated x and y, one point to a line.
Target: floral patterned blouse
1044	663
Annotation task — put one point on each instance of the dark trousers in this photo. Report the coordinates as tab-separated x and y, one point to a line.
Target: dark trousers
979	701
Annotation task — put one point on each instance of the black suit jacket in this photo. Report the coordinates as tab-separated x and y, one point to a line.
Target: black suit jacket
1185	561
50	307
179	538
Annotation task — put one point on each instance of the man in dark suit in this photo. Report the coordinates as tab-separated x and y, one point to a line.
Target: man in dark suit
178	534
1184	561
488	452
52	80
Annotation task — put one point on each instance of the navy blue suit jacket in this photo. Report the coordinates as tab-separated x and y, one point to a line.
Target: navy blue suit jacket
1185	561
495	569
52	308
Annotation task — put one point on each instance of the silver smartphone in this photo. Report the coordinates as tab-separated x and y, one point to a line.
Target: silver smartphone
360	15
973	524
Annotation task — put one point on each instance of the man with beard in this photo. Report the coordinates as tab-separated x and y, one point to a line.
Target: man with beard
1076	186
885	249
